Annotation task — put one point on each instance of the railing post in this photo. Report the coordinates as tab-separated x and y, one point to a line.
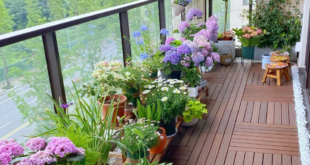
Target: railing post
210	8
162	18
124	23
54	67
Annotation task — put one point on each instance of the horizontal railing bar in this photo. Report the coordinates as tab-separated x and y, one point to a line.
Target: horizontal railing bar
21	35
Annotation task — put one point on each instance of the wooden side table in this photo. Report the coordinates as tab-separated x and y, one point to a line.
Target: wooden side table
276	70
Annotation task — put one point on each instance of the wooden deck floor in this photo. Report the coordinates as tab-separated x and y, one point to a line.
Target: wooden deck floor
248	122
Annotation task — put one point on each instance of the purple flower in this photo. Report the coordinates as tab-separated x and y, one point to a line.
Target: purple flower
186	61
212	28
66	105
42	157
25	161
215	57
36	144
168	40
213	18
205	51
144	56
201	24
172	56
194	47
11	147
182	39
144	28
136	34
5	159
59	142
80	151
184	49
140	42
9	141
194	12
201	41
183	25
209	62
197	58
165	48
164	32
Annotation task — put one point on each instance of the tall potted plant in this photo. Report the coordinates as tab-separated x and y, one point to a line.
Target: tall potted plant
249	38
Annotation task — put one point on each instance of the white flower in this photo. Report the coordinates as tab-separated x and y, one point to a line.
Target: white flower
171	86
164	88
176	91
161	137
151	86
158	133
172	82
184	93
146	86
160	84
164	99
183	88
148	149
137	137
180	81
146	92
186	108
127	74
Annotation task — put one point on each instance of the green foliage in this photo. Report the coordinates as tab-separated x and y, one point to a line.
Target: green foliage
193	29
191	77
281	19
194	109
138	137
248	41
149	112
135	75
144	161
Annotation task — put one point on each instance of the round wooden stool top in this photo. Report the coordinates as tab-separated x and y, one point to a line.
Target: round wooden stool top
279	58
276	65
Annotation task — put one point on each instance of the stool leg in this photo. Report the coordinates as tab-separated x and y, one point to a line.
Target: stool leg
265	75
278	77
287	77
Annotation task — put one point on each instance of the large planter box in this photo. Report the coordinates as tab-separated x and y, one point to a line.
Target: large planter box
221	44
260	51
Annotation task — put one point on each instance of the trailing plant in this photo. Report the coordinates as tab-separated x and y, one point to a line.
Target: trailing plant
281	19
149	112
194	109
191	77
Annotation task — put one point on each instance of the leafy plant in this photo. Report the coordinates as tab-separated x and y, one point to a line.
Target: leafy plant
249	36
189	31
149	112
134	75
144	161
281	19
191	77
194	109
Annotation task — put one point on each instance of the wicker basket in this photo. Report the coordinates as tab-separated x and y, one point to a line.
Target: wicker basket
226	58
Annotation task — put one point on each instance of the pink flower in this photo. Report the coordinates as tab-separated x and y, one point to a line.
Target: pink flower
36	144
254	34
259	31
182	39
183	25
5	159
215	57
169	40
25	161
209	62
246	36
42	158
201	41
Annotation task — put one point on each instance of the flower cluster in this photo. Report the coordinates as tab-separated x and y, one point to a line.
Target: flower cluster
61	146
8	150
183	25
164	32
249	36
40	158
172	56
249	32
182	2
212	28
194	13
36	144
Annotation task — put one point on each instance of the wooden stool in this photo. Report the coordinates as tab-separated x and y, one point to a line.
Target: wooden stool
275	70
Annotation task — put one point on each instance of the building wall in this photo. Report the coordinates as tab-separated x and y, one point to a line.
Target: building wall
304	35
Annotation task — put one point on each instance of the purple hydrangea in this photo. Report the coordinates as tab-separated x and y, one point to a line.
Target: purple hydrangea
144	28
42	157
136	34
144	56
80	151
186	61
201	24
194	13
201	41
165	48
205	51
140	42
182	39
169	40
212	28
5	158
194	47
164	32
9	141
36	144
215	56
183	25
209	62
197	58
11	147
25	161
172	56
184	49
61	146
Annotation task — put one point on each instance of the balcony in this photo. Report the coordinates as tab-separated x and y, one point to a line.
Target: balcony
248	121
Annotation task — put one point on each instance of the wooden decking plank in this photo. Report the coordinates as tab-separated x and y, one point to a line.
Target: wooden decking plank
206	149
266	135
231	122
296	160
262	131
178	138
277	113
187	135
267	159
241	89
230	159
260	83
239	157
197	149
292	114
255	114
286	160
277	160
258	159
249	157
250	79
285	114
215	149
193	139
268	151
255	78
211	90
223	150
218	117
268	125
234	78
264	139
242	111
294	131
248	112
224	121
259	146
217	91
270	113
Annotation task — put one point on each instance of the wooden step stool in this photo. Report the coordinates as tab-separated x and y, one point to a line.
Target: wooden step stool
276	70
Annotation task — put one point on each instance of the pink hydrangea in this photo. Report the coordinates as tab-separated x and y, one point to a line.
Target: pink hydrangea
209	62
11	147
169	40
5	159
42	157
25	161
182	39
36	144
201	40
80	151
61	146
9	141
183	25
259	31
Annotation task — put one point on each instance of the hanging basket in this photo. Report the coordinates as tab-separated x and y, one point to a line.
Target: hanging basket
177	9
226	58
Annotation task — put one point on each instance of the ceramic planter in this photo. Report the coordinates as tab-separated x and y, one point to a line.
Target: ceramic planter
169	127
116	112
159	147
191	123
135	95
177	9
192	91
173	75
248	52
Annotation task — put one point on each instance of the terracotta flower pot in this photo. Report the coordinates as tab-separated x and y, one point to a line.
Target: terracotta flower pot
159	147
116	112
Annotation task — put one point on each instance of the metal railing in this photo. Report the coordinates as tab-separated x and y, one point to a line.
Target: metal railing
49	38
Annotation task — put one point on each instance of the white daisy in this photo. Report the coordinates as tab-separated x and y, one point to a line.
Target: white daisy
180	81
176	91
183	88
146	86
146	92
151	86
164	99
164	88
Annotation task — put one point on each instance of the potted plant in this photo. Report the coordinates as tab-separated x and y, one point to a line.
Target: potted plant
192	79
179	6
249	38
152	114
138	139
193	111
144	161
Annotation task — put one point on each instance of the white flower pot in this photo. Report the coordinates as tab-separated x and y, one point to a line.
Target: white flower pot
192	91
191	123
177	9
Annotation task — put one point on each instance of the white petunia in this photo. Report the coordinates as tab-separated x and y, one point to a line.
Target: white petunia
164	99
